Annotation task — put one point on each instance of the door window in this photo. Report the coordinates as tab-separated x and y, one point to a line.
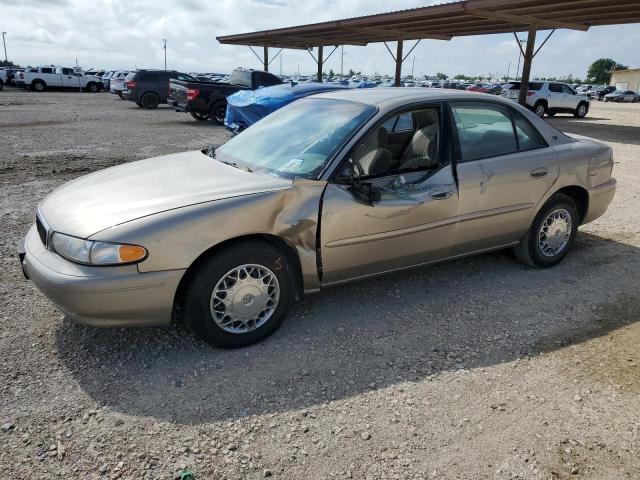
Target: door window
528	136
403	143
67	71
555	88
47	70
483	131
568	90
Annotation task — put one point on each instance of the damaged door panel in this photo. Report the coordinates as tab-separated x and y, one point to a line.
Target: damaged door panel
411	223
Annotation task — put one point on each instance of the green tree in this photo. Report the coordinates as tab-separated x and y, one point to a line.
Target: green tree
332	73
600	70
8	64
440	76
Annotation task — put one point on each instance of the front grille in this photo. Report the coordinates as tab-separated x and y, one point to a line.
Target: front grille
42	231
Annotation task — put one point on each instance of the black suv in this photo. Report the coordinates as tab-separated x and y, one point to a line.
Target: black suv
149	88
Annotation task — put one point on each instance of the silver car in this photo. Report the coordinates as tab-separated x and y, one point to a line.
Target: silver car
332	188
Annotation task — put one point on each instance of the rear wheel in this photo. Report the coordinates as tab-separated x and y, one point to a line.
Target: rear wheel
581	111
38	86
1	85
200	116
139	104
240	295
551	234
219	111
150	100
92	87
540	108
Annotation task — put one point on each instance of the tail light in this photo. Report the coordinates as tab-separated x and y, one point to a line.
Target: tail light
192	94
529	93
131	85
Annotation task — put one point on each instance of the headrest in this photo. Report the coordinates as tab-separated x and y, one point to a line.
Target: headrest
378	138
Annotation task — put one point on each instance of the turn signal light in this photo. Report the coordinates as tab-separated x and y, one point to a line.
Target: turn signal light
131	253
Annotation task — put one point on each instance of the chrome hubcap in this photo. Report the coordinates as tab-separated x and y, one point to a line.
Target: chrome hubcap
245	298
540	110
581	110
554	233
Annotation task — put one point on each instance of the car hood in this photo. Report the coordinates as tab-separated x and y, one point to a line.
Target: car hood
123	193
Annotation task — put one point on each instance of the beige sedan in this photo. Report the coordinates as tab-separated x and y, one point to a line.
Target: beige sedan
332	188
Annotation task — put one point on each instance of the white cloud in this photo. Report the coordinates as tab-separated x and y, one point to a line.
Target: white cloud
129	33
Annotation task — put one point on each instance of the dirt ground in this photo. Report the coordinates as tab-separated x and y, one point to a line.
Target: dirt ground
476	369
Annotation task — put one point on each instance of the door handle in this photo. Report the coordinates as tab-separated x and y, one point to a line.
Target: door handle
441	194
539	172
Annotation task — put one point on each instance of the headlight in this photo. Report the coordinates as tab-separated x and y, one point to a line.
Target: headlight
96	253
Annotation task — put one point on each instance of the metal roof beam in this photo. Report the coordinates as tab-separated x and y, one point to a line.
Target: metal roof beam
525	19
397	34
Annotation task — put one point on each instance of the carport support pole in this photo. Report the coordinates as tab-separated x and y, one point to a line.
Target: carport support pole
399	58
526	68
266	59
320	63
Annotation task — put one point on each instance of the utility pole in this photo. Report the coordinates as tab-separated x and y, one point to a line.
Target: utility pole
413	66
522	42
508	71
5	47
342	61
281	63
165	52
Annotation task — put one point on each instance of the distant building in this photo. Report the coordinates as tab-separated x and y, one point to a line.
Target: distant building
626	79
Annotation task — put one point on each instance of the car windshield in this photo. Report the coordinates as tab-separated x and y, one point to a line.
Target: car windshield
297	140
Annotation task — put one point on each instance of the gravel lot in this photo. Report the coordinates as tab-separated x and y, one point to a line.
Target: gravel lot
476	369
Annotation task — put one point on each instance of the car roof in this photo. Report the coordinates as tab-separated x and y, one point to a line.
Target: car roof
391	97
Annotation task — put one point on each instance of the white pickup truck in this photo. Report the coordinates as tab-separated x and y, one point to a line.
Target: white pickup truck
40	78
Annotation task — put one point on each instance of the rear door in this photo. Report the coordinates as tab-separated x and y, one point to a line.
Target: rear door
69	78
504	169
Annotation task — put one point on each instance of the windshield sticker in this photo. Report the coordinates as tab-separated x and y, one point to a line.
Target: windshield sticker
293	164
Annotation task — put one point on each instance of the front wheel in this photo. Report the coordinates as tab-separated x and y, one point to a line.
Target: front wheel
202	117
581	111
92	87
240	295
38	86
552	233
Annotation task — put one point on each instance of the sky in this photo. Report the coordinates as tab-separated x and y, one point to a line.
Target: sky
128	34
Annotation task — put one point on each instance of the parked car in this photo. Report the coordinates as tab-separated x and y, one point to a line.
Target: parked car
551	97
149	88
246	107
95	72
106	79
116	82
622	96
478	88
208	100
41	78
3	78
331	188
601	92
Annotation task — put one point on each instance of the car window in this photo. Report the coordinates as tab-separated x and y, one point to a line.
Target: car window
555	88
399	123
567	89
483	130
528	136
67	71
47	70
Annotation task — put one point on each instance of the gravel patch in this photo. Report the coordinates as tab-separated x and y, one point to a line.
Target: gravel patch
480	368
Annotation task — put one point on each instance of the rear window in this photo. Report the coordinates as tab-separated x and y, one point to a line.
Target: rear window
532	85
47	70
130	76
240	77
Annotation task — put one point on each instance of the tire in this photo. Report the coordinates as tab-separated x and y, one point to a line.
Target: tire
1	85
206	311
38	86
540	108
139	104
150	101
530	250
120	95
200	117
92	87
581	110
551	114
218	111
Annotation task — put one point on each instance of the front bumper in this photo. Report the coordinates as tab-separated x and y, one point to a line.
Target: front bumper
599	199
100	296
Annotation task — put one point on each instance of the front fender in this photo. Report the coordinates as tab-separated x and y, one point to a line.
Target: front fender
176	238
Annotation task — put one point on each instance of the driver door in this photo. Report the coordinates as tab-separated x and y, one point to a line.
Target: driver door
411	223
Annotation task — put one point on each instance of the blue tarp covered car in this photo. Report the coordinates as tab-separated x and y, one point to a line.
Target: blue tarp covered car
246	107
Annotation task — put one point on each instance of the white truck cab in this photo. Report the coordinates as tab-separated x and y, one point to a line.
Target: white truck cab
41	78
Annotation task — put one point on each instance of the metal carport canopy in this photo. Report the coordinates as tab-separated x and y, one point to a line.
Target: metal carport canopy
443	22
